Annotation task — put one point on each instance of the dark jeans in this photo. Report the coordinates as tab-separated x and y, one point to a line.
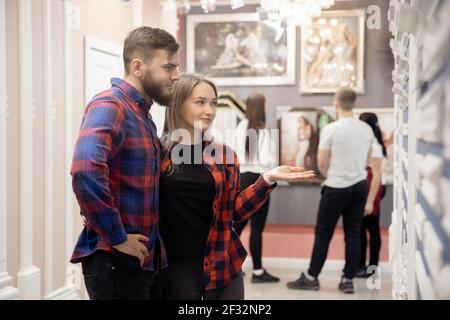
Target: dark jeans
350	203
109	277
184	281
372	224
257	224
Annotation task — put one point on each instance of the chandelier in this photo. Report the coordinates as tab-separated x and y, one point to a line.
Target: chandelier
298	12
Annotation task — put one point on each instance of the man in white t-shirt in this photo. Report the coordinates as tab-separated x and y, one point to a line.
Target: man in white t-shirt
344	150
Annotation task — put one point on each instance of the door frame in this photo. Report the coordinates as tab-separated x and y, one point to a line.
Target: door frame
94	44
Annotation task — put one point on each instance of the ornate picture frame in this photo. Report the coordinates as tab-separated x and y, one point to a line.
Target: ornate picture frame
332	52
239	50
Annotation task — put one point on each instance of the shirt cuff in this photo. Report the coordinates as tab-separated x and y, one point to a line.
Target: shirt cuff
118	237
270	183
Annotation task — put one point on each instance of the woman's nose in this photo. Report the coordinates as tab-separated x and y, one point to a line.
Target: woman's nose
209	109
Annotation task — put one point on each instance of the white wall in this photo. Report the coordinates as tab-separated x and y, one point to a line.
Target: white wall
41	105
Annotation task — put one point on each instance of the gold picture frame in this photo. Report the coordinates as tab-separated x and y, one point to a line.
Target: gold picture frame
332	52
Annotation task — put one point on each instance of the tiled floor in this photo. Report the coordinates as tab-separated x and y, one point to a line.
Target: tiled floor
278	241
329	280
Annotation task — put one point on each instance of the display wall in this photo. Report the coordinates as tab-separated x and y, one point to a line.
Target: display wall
420	230
297	204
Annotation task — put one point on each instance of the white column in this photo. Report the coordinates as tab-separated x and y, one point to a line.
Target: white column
48	149
6	291
71	19
138	7
28	278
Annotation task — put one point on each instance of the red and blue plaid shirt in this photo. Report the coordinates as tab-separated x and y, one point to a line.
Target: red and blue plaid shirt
115	173
224	253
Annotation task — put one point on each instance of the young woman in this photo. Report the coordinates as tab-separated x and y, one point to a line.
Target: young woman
255	158
201	198
371	220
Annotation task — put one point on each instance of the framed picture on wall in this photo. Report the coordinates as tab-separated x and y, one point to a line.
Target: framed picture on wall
332	52
299	137
239	50
300	130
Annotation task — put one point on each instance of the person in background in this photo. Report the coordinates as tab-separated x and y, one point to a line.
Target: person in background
388	161
371	220
255	158
201	197
344	151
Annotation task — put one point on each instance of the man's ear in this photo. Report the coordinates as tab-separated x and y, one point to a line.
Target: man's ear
136	67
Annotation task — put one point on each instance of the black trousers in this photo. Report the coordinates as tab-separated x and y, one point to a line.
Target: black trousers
257	223
109	277
372	225
348	202
183	280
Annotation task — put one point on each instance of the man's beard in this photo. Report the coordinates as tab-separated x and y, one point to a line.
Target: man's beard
155	91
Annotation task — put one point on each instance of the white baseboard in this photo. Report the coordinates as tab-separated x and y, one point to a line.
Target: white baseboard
63	293
29	283
9	293
5	279
303	264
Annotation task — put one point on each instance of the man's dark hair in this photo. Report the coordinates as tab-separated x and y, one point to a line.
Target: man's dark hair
143	41
346	97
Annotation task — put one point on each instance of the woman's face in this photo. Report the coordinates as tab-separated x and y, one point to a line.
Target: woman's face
199	110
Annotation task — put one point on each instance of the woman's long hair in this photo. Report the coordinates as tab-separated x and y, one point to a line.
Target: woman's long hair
181	91
372	120
256	115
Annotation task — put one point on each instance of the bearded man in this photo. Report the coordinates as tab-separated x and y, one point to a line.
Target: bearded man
115	172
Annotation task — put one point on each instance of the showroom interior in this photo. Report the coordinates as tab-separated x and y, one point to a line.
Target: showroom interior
55	55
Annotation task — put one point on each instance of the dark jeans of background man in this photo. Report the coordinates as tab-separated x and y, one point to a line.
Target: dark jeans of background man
348	202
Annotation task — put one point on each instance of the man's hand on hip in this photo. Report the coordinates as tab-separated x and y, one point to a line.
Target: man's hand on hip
133	246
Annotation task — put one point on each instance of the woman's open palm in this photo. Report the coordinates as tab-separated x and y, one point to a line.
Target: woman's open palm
289	174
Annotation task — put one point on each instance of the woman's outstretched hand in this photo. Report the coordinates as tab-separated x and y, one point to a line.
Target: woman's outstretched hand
288	174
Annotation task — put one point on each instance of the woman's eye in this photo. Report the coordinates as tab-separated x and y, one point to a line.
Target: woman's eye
200	102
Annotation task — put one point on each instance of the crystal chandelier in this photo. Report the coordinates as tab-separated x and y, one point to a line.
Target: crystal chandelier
208	5
184	6
298	12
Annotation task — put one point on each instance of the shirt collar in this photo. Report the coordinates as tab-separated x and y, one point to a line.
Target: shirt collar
131	91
